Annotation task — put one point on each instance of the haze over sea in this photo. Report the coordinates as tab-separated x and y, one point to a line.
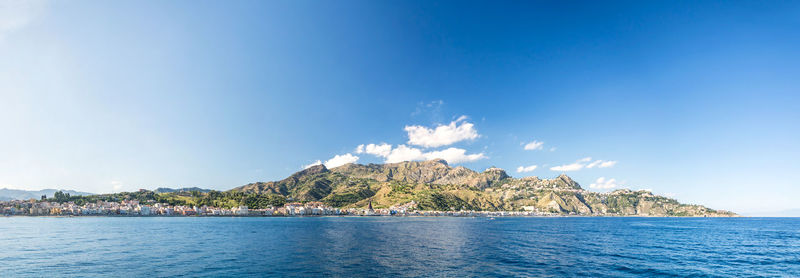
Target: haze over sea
398	246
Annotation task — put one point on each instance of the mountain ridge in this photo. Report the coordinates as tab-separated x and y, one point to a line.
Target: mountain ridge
435	185
7	194
182	189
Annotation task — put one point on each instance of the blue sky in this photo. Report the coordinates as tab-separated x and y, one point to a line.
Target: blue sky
697	100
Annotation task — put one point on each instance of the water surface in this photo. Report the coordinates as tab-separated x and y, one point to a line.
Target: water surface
397	246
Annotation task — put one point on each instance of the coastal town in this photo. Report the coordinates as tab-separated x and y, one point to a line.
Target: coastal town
34	207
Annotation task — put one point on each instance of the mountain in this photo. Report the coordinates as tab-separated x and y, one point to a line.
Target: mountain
434	185
185	189
16	194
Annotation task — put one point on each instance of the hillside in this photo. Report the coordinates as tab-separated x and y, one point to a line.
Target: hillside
16	194
434	185
184	189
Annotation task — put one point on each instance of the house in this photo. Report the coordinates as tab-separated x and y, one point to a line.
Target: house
241	210
144	210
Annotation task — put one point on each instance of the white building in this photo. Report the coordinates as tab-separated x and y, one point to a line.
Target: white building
241	210
144	210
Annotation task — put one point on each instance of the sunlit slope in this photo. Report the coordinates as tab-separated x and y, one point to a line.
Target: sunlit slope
434	185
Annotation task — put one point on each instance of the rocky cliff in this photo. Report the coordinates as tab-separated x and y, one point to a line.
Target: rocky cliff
434	185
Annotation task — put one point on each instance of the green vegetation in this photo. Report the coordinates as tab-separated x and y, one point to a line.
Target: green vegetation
227	199
431	185
347	198
443	201
143	197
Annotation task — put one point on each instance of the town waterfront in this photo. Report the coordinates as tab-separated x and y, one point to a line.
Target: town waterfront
398	246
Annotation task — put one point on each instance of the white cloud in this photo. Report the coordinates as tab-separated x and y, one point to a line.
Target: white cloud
15	15
335	161
315	163
433	106
568	167
607	164
442	135
601	164
454	155
405	153
340	160
582	163
116	186
534	145
553	149
524	169
603	183
382	149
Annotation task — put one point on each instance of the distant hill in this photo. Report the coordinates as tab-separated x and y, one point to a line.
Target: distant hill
16	194
185	189
434	185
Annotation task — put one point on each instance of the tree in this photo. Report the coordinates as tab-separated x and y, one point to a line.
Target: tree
60	197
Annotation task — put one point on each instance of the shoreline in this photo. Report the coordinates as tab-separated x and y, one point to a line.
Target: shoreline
399	216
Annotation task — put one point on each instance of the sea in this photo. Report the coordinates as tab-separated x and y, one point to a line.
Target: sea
398	247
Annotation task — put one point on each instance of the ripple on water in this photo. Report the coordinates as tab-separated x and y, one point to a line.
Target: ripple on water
380	247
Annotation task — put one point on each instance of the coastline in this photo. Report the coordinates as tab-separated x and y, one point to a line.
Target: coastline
400	216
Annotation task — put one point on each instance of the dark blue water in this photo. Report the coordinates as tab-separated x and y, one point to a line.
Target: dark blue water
388	246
